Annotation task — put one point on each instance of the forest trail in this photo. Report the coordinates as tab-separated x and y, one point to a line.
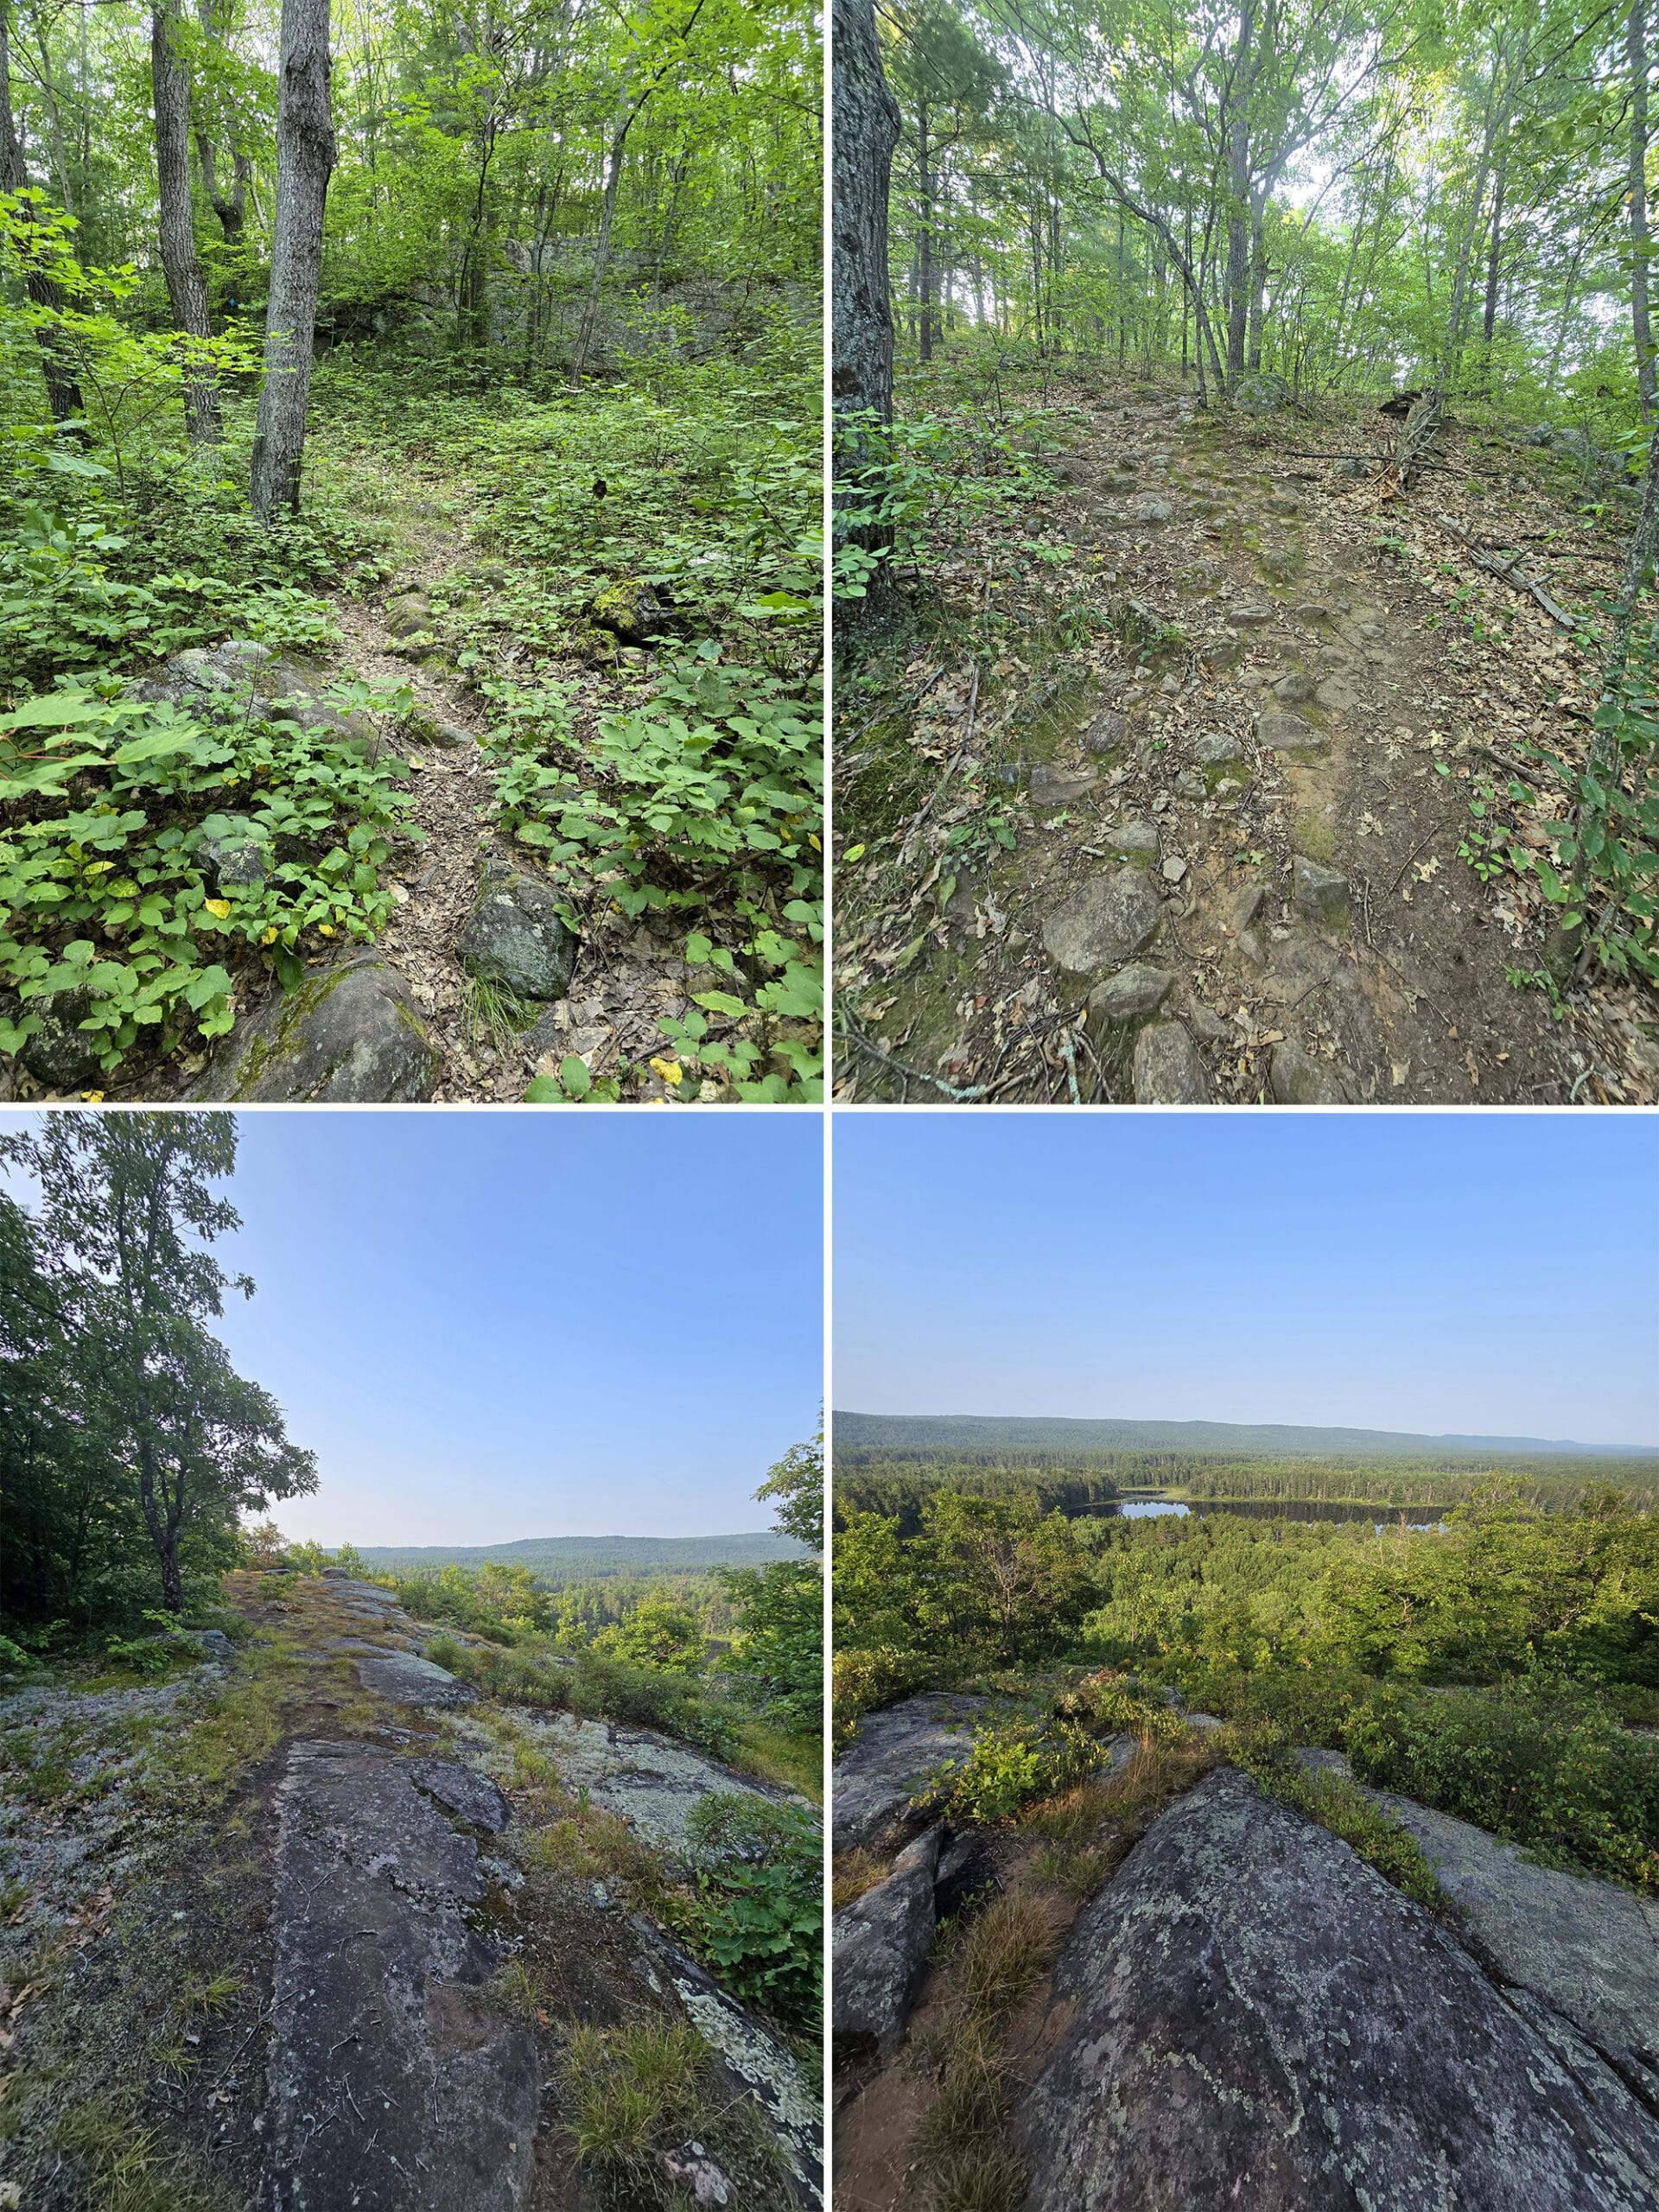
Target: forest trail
1237	874
320	1879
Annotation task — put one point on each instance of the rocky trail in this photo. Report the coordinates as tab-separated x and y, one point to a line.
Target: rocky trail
1243	1994
1236	810
313	1925
477	984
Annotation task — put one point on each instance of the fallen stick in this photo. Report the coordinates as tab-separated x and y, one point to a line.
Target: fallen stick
1507	573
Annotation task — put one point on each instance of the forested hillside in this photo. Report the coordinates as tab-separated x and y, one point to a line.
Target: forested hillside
410	578
1246	542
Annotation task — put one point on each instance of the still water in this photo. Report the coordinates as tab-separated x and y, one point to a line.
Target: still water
1146	1509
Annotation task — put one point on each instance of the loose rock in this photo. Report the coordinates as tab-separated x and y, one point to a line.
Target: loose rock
1296	1080
1319	893
1289	734
1104	924
1168	1070
349	1035
1130	995
516	937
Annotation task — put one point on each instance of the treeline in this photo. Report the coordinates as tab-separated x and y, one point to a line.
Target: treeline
130	1446
905	1491
900	1483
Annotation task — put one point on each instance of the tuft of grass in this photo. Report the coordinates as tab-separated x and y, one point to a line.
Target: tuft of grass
128	2166
855	1872
649	2086
988	2178
975	2092
1002	1954
495	1016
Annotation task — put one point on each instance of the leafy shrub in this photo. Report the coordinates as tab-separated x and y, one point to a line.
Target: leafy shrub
105	803
1542	1763
863	1682
1018	1760
759	1872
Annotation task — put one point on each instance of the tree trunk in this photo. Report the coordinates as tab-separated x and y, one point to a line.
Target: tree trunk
865	133
187	284
924	242
305	160
602	250
232	207
62	386
1258	290
1647	369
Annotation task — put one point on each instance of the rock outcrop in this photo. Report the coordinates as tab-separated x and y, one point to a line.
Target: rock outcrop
1247	1999
881	1943
1585	1949
899	1753
389	2083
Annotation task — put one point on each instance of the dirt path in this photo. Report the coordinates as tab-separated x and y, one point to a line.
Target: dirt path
314	1924
626	974
1237	811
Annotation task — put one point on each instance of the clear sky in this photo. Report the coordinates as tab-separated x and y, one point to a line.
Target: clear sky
495	1325
1484	1273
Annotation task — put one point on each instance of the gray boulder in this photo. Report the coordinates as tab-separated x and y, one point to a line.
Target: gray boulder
516	938
1261	393
1105	922
239	679
1168	1069
1283	733
1292	688
350	1035
61	1053
898	1755
1216	748
1126	838
1296	1079
879	1948
1247	1999
1106	733
235	850
1130	995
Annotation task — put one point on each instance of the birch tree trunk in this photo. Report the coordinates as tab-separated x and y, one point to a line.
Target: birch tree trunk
1647	369
305	160
187	283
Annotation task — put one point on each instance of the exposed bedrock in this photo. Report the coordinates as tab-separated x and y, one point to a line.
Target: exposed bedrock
1247	1999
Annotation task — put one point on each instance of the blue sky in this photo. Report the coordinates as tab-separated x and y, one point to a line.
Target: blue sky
493	1324
1492	1274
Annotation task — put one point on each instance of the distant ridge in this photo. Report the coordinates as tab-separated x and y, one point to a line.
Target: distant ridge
597	1554
1018	1432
